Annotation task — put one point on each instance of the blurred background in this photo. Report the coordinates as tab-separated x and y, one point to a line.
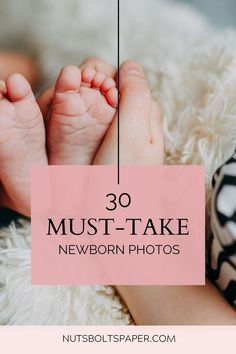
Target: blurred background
57	32
58	27
221	13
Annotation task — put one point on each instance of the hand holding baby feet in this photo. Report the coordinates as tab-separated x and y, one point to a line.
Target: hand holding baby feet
22	142
83	106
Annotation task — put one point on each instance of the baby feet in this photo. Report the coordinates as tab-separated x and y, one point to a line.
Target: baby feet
22	141
83	106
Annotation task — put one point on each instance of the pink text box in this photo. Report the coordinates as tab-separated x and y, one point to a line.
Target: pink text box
155	234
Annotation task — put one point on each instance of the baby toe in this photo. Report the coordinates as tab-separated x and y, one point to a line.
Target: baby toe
69	79
98	79
112	97
18	88
99	65
107	84
88	75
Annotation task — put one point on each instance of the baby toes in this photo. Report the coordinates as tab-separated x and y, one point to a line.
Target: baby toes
110	91
93	78
98	80
106	85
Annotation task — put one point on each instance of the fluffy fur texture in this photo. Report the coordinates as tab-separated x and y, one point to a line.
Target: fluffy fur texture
192	72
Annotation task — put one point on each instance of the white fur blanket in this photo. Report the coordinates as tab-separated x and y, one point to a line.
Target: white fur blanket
192	72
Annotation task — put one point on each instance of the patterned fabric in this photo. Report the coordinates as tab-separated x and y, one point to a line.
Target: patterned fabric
222	255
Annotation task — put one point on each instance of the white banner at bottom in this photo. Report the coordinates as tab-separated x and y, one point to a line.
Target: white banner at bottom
136	339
